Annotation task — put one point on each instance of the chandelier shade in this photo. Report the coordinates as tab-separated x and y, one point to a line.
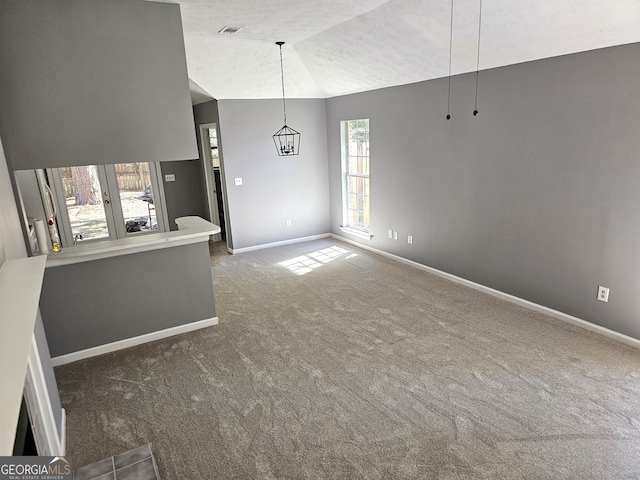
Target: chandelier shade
287	141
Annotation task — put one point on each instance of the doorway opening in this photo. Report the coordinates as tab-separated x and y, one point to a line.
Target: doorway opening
214	176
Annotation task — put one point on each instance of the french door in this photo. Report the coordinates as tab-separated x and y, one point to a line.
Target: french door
103	202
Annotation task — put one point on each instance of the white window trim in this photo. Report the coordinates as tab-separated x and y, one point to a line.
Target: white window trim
355	232
344	149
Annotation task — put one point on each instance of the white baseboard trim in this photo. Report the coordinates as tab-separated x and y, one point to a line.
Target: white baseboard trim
131	342
63	432
620	337
278	244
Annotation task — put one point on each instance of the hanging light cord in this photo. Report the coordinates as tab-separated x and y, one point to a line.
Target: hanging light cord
284	107
450	50
475	111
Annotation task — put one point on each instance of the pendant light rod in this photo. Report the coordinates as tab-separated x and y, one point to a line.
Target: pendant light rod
450	50
475	111
284	107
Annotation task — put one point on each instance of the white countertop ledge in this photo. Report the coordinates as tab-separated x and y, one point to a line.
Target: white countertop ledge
20	285
191	230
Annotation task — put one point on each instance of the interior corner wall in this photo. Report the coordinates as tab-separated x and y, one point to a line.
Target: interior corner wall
98	82
274	188
537	196
184	196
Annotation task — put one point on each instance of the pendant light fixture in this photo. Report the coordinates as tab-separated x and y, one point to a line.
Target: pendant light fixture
286	140
475	110
450	49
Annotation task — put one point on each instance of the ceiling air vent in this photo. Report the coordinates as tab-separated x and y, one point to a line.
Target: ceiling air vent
229	30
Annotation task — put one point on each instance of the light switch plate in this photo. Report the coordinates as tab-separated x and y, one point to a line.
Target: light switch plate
171	177
238	180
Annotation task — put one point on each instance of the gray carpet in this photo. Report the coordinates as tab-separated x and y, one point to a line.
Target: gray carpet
332	362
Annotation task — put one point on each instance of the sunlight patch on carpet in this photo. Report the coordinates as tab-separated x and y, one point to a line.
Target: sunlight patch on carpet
308	263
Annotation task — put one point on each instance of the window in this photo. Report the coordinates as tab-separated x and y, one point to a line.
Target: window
101	202
355	177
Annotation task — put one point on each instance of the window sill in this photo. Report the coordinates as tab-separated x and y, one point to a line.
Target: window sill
356	233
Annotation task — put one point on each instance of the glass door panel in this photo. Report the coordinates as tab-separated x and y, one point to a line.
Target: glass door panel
135	194
85	202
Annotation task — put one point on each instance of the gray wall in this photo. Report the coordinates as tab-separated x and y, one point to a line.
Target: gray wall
538	196
96	82
184	196
274	188
103	301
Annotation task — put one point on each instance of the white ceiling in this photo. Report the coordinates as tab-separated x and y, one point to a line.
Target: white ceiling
336	47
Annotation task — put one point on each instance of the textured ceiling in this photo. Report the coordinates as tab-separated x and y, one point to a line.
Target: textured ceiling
336	47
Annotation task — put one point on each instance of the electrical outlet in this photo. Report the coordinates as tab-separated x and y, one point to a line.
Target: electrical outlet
410	239
238	180
395	235
603	294
171	177
288	222
390	233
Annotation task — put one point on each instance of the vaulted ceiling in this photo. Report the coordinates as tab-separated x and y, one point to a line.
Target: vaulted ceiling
336	47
